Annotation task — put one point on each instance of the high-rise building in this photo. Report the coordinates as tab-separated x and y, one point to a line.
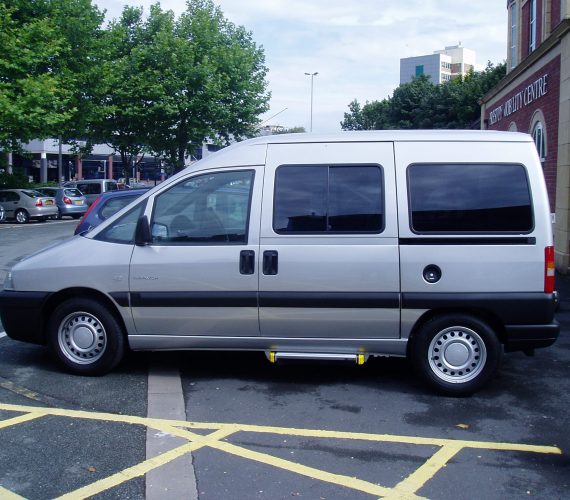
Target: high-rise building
441	66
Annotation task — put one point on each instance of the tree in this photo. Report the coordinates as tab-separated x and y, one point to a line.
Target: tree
31	96
168	84
45	50
421	104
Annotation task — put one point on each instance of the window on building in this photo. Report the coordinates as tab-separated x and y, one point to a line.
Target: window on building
532	36
419	70
469	198
539	139
513	54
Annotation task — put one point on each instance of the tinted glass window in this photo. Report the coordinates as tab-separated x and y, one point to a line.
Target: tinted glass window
72	192
123	229
113	205
469	198
111	186
9	196
328	199
206	209
90	188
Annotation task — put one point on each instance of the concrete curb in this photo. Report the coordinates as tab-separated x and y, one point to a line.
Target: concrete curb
175	480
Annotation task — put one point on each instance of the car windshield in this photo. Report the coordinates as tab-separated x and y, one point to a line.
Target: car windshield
72	192
33	194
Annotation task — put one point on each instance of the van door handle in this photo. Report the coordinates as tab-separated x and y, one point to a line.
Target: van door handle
270	262
247	262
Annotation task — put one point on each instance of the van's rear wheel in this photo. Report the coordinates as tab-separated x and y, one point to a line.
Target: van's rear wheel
456	354
86	337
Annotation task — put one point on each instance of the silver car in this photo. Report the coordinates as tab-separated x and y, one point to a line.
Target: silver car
69	201
2	213
26	204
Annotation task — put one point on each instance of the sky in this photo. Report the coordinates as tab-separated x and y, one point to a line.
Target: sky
355	46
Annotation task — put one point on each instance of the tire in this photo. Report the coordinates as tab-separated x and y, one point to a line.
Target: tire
59	216
456	354
22	217
86	337
77	216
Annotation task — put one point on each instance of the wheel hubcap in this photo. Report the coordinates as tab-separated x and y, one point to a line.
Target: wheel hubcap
457	354
82	338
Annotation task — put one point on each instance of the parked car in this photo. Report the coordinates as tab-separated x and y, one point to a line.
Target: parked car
91	188
2	213
26	204
105	205
69	201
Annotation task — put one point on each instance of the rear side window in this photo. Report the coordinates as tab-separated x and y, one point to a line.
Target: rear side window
90	188
469	198
113	205
328	199
111	186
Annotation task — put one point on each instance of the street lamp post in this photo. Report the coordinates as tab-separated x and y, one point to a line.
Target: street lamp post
312	75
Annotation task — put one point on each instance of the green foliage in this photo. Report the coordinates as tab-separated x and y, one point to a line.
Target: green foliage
46	49
157	85
13	181
167	84
421	104
291	130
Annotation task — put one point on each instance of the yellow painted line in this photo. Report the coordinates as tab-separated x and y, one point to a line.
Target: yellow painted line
18	420
423	474
406	489
315	433
8	495
321	475
136	470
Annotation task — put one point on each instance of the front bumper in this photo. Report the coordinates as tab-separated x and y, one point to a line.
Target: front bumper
22	315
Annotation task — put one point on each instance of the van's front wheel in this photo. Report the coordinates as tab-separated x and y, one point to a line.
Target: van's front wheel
456	354
86	337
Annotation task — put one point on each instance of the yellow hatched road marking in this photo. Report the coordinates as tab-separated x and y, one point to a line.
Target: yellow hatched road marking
8	495
424	473
18	420
406	489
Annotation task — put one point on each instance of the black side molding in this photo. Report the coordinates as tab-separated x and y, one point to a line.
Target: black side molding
468	241
525	308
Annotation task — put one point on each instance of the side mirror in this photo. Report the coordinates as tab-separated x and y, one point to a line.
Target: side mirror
142	232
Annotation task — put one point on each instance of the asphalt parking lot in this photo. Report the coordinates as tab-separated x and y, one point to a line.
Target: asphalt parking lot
295	430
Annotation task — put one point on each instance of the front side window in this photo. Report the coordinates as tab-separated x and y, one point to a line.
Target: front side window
328	199
123	229
469	198
206	209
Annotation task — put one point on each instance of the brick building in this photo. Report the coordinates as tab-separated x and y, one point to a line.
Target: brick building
534	97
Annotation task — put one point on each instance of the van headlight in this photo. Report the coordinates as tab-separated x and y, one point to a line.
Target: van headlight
9	281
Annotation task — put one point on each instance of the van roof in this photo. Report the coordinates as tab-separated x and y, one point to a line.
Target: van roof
394	135
252	151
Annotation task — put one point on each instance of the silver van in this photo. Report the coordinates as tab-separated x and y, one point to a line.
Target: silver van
91	188
434	245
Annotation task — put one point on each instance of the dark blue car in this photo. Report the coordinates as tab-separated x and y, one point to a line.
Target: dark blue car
105	205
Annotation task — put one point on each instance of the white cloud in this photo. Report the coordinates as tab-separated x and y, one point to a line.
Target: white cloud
355	46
